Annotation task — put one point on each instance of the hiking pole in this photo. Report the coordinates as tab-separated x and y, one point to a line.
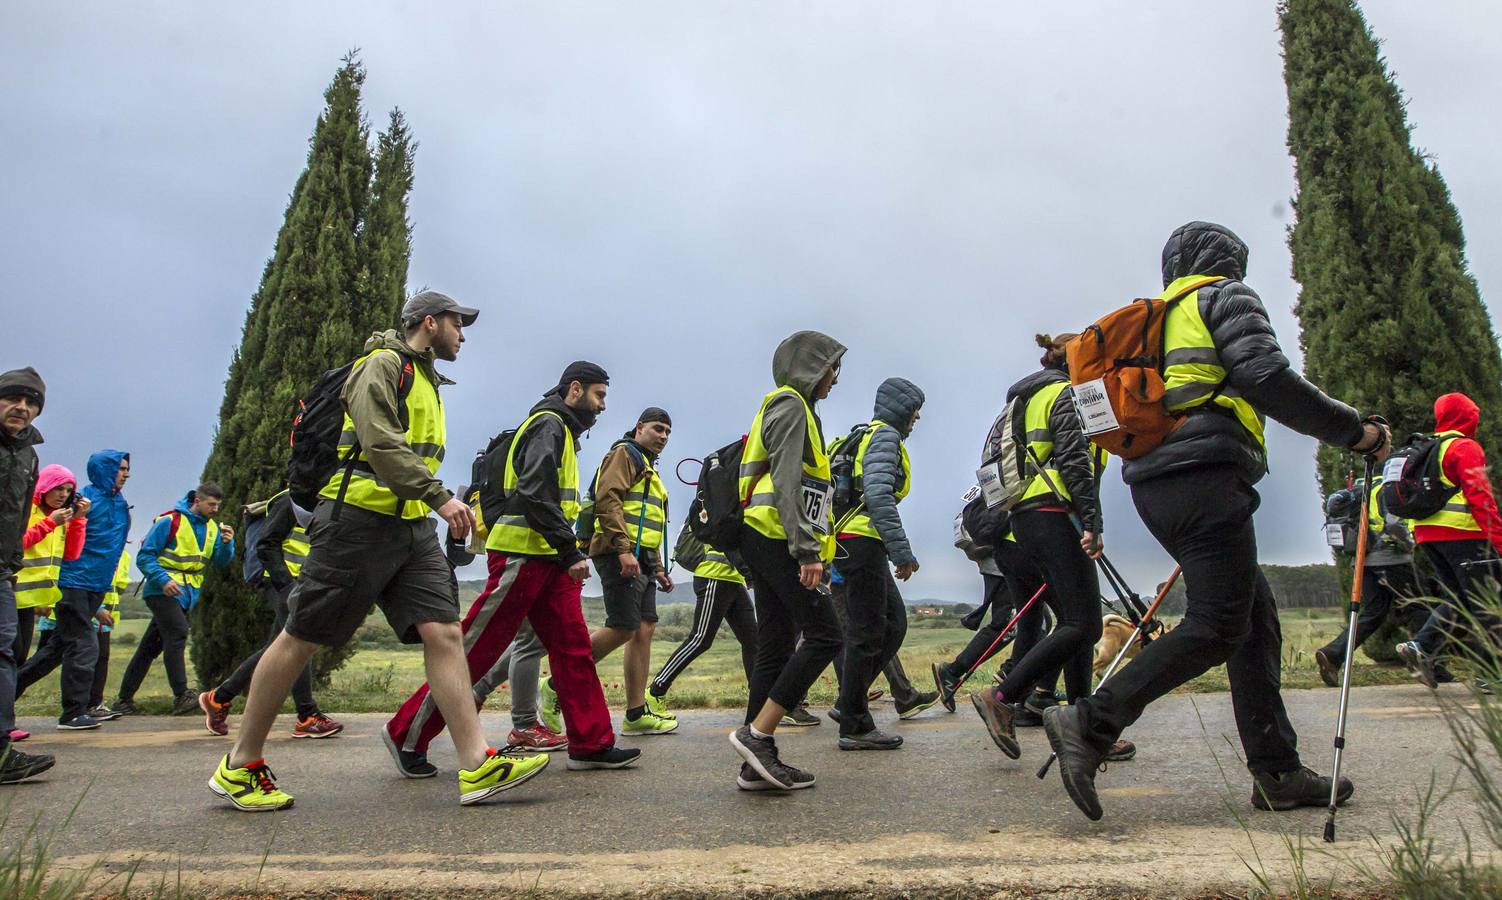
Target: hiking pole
1142	632
1000	637
1345	677
1128	597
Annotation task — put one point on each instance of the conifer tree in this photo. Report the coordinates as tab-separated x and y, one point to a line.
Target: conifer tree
1390	315
336	274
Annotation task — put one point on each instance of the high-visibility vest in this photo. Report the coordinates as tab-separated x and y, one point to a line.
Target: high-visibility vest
645	510
1456	512
295	550
717	567
425	436
1039	437
183	560
817	483
36	583
511	533
858	521
1192	371
121	582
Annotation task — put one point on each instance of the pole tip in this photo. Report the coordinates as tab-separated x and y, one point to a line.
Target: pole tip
1330	830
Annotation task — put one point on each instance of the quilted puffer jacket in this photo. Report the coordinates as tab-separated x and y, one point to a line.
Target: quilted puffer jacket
896	401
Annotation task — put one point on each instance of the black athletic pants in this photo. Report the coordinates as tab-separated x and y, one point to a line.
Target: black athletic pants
73	646
25	628
1459	579
167	637
101	669
785	667
1051	542
875	623
1006	593
1203	518
1383	589
239	680
715	601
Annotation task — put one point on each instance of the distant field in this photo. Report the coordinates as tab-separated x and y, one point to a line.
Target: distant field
379	678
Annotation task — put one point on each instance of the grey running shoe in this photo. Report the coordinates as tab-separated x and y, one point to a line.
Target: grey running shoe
1301	787
920	703
104	713
870	740
760	753
1078	759
946	684
126	707
748	780
998	718
1420	664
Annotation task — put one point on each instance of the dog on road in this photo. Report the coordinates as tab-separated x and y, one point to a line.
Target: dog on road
1115	632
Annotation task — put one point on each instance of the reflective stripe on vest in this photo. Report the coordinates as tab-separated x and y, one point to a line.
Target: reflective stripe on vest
121	582
1192	370
1456	512
425	437
511	533
1039	438
860	523
295	550
183	560
645	511
716	566
817	484
42	562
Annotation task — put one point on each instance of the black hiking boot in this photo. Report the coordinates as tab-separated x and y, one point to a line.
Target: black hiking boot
870	740
408	762
920	702
800	717
126	707
1329	669
1301	787
1078	758
998	718
946	684
1030	713
17	766
187	702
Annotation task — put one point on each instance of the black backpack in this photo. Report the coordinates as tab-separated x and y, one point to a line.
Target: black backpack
315	434
718	508
979	528
487	475
1412	486
847	488
252	529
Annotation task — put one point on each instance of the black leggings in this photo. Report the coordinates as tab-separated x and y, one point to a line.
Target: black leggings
715	601
1006	594
25	626
785	668
239	680
167	637
1050	540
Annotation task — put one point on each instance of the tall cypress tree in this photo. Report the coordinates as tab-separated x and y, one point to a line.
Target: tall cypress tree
1391	316
312	311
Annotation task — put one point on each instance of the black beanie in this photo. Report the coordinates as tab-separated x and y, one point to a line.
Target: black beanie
24	383
655	414
586	373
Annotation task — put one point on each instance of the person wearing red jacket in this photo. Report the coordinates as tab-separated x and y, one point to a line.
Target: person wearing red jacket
1458	539
54	532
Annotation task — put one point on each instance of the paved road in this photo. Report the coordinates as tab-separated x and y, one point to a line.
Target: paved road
945	815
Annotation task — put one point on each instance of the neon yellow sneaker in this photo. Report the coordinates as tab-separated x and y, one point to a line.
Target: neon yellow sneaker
250	788
649	723
499	772
551	712
658	706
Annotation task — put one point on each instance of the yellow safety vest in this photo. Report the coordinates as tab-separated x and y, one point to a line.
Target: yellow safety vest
817	483
1456	512
183	560
295	550
645	510
716	566
425	436
121	582
1192	370
36	583
1039	437
511	533
858	521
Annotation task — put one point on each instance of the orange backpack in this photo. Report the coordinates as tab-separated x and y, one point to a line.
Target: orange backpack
1116	366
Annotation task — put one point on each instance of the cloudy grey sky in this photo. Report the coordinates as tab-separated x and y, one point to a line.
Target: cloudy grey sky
670	189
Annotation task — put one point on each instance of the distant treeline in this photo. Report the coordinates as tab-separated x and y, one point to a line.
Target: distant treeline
1317	585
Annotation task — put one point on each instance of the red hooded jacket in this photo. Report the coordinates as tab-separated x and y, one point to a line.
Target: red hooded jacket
50	477
1464	465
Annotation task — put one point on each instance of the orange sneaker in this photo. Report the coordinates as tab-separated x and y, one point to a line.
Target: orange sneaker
317	725
537	737
215	715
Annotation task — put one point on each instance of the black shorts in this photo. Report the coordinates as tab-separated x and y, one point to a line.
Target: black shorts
367	559
628	601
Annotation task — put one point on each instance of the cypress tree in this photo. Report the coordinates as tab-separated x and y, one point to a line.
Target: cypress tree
312	311
1390	315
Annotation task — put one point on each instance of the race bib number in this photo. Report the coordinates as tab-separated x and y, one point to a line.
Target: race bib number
1094	406
818	498
970	495
1393	469
960	535
988	478
1335	536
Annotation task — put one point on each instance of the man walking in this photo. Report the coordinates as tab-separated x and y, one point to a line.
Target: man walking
536	573
281	551
1224	372
372	543
630	522
22	395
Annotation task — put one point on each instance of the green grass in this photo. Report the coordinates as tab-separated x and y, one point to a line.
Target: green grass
377	679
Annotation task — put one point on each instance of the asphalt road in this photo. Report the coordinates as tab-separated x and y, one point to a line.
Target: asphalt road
946	815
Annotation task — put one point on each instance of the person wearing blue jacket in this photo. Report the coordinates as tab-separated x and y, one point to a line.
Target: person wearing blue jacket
181	544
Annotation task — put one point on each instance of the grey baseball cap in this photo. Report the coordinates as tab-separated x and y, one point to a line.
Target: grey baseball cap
433	303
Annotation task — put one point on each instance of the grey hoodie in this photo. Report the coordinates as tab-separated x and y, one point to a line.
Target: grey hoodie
897	400
800	361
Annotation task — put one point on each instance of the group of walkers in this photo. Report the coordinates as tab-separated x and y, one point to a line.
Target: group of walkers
820	545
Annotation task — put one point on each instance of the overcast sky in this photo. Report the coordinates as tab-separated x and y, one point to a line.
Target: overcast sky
669	190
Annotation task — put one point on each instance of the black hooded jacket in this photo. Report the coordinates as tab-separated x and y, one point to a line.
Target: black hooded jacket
1072	451
18	479
1255	367
537	495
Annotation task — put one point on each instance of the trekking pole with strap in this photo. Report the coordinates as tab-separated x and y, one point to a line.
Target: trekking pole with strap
1143	633
1001	637
1128	597
1345	677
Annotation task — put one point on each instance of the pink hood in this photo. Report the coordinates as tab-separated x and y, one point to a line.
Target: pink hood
50	477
